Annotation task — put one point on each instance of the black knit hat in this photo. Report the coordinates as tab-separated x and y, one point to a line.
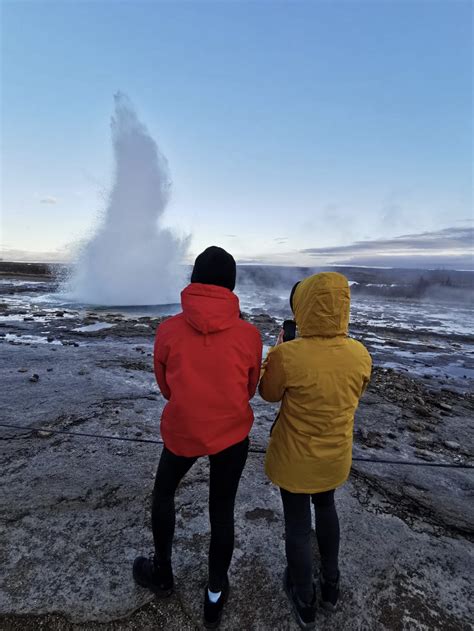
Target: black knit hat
215	266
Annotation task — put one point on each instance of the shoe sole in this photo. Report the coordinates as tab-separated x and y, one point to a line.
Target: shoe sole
214	625
301	623
160	593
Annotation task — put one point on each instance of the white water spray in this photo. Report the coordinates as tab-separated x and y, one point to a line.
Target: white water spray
132	259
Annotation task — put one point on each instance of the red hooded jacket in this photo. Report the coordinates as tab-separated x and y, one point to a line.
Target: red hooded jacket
207	364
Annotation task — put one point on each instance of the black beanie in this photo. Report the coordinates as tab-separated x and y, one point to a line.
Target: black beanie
215	266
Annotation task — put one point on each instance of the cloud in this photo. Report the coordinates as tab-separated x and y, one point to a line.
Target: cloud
281	240
450	247
48	200
421	261
274	258
27	256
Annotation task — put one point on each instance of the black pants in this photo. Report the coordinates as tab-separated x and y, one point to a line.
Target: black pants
226	470
297	510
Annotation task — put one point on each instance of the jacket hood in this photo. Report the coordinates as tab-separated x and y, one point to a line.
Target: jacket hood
209	308
321	305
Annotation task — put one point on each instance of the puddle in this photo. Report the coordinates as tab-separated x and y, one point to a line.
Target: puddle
91	328
459	371
29	339
16	317
21	283
417	354
406	354
454	371
31	317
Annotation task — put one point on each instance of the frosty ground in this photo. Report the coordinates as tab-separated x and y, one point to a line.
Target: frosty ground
76	510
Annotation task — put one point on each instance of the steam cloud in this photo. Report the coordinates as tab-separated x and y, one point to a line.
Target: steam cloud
132	259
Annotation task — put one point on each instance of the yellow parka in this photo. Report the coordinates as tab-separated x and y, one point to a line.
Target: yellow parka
319	377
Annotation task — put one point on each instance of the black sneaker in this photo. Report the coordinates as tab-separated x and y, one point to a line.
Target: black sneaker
329	593
305	613
213	611
149	574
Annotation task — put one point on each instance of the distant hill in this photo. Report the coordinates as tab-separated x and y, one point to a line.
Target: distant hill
13	268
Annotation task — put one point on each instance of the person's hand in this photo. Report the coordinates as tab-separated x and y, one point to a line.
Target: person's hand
280	338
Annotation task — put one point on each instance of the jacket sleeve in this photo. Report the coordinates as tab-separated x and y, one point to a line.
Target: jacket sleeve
159	361
254	371
273	382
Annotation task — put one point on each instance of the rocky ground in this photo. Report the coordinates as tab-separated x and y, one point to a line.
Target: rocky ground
76	510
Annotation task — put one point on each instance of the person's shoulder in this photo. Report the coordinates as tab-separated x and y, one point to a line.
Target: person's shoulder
291	352
170	324
358	348
248	328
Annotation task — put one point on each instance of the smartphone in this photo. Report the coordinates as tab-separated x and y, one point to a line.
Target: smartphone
289	330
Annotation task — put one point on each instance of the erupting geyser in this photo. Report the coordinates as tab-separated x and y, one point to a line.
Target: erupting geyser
132	259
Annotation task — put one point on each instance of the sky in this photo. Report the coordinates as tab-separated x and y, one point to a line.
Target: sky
297	133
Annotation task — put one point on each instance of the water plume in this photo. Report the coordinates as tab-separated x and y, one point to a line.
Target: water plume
132	259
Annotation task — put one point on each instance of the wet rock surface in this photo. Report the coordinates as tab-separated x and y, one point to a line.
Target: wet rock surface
76	510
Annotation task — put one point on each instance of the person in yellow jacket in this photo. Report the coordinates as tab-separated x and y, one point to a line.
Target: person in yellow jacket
319	377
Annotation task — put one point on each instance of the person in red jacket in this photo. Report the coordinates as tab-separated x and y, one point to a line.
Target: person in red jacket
207	363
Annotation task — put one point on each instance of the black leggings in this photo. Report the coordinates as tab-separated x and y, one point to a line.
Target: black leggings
297	509
226	470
